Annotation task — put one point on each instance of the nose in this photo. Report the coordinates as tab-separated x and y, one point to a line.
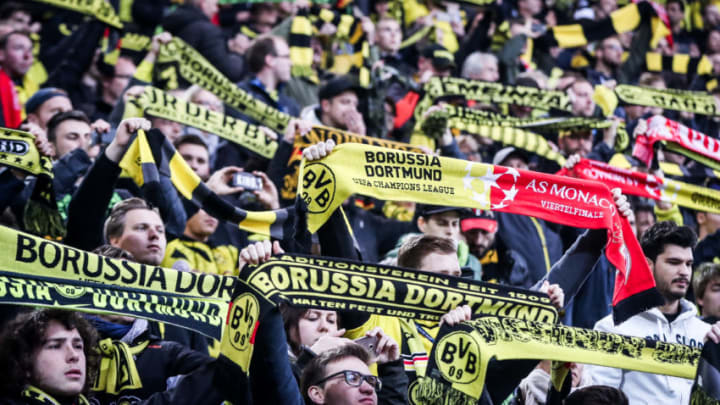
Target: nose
153	233
322	325
72	354
366	388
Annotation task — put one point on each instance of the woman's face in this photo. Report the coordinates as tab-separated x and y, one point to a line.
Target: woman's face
313	325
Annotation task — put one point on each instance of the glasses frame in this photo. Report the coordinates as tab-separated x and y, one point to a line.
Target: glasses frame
363	377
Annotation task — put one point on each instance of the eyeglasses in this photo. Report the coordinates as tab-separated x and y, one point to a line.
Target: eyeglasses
355	379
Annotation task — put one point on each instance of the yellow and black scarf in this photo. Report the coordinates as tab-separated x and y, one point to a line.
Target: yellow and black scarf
151	155
458	362
41	216
36	396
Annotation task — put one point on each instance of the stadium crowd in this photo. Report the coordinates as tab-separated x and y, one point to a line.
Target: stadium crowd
72	80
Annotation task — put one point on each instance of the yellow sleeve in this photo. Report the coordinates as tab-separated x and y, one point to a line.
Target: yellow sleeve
413	10
144	71
390	325
226	258
419	139
671	214
449	40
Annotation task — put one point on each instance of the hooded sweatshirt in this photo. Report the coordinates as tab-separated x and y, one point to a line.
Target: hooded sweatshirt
647	388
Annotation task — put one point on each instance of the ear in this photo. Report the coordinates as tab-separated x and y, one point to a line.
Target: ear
269	60
324	105
421	224
651	264
700	218
316	394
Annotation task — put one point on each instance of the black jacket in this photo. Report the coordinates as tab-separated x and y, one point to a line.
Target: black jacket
159	361
193	27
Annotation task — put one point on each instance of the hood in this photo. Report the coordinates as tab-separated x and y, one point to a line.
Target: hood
181	18
687	310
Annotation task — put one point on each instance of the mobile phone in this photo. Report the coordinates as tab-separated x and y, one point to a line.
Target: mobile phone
248	181
368	342
538	28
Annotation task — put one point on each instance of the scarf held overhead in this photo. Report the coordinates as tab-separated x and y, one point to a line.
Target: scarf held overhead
458	362
647	185
100	9
678	138
151	155
403	176
322	134
158	103
192	66
319	282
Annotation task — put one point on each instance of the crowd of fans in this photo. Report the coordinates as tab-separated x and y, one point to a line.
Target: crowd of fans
65	78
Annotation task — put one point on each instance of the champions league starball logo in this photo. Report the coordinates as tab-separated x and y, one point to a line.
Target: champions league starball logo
481	186
659	189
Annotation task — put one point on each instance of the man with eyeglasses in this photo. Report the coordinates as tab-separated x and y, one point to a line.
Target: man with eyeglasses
608	59
268	61
340	377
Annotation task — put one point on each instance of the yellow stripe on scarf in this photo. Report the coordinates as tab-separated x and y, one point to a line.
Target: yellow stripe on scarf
118	371
626	18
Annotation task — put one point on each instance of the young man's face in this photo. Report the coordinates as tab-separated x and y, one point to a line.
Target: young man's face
49	108
59	363
710	301
709	221
389	35
143	236
479	241
441	263
338	392
443	225
582	102
197	157
281	64
337	109
578	142
17	56
672	269
71	135
201	225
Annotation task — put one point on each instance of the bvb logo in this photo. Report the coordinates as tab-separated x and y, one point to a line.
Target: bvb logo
69	291
318	187
245	312
458	358
413	392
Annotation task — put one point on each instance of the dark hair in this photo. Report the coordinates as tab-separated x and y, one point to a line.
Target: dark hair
190	139
641	206
315	370
680	2
22	337
61	117
291	317
261	47
5	38
704	274
597	395
415	249
663	233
